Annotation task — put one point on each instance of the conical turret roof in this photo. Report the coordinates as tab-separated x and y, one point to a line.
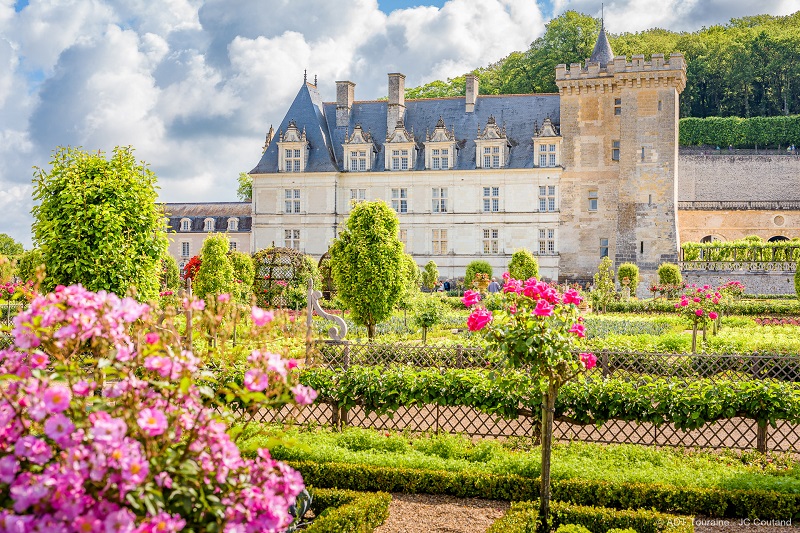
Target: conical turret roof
602	52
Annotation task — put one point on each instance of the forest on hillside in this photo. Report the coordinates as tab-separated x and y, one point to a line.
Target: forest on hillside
746	68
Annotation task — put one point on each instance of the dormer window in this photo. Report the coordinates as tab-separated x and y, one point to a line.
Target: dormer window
359	151
440	148
491	146
400	149
292	149
547	145
208	224
233	224
186	224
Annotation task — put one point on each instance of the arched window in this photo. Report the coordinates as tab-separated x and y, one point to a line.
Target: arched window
208	224
778	238
186	224
711	238
233	224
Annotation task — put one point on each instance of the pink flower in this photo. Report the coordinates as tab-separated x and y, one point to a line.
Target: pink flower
478	319
261	317
579	330
589	360
81	388
712	315
471	298
512	285
303	395
684	303
9	466
151	338
161	365
59	428
543	309
39	360
164	480
88	524
696	299
224	297
572	297
56	398
255	380
698	312
162	523
121	521
33	449
152	421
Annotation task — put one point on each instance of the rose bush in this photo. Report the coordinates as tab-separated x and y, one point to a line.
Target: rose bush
106	425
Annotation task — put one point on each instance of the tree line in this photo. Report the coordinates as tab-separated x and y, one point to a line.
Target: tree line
747	67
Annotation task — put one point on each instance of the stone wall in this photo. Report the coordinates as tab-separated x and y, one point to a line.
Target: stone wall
738	177
754	282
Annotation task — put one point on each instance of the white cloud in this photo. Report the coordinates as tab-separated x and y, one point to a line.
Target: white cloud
193	85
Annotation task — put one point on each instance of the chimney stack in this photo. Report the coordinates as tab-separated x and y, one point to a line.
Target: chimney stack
345	94
396	109
472	92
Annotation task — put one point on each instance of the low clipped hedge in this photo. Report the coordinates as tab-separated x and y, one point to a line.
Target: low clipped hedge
346	510
785	307
521	518
711	502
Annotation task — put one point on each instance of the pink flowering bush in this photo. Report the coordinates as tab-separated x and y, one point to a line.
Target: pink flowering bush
106	425
536	328
700	306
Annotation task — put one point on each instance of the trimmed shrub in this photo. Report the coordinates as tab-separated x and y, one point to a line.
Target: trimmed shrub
170	275
630	271
243	272
27	264
523	265
430	275
476	267
345	510
669	274
215	275
571	528
797	279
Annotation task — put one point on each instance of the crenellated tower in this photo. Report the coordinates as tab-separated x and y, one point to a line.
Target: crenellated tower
619	124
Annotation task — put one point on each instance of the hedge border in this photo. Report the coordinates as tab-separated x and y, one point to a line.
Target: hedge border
664	498
521	518
340	510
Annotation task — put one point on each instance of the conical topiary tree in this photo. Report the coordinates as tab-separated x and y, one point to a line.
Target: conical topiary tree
216	271
523	265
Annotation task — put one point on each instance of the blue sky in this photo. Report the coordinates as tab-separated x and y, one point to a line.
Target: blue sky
194	85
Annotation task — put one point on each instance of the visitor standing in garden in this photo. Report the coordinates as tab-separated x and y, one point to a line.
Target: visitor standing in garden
493	286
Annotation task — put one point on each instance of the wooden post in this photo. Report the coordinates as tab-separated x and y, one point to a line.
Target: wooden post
604	364
761	437
694	338
343	414
548	411
459	356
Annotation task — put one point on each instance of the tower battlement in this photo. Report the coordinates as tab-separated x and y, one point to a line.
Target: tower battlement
657	71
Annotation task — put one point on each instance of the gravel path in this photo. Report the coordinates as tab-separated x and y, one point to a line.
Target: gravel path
425	513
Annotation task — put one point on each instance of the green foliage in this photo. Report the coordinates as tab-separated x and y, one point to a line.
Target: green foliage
669	274
28	262
216	272
366	262
245	190
344	510
412	280
522	516
747	249
297	291
9	247
243	272
430	275
7	268
476	267
97	222
428	312
523	265
603	290
740	132
797	279
630	271
170	276
741	307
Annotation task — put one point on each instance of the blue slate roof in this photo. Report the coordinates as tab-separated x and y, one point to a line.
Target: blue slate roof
197	213
518	113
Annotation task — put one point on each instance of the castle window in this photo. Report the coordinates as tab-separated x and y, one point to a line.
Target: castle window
543	159
358	160
292	160
232	246
358	150
615	150
547	241
547	198
400	200
552	147
551	162
185	249
439	242
439	200
642	153
292	148
399	159
617	106
208	224
440	146
291	204
490	241
357	196
233	224
603	248
186	224
440	158
291	238
491	145
491	199
402	236
593	200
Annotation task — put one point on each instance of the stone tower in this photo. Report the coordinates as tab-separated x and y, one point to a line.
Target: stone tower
619	123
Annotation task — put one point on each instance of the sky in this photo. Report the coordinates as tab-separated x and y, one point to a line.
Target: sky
194	85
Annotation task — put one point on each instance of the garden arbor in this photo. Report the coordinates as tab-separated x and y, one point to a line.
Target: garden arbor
281	276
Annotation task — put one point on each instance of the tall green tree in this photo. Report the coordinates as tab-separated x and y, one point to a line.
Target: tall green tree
28	263
243	272
245	190
366	262
9	247
216	271
97	223
430	275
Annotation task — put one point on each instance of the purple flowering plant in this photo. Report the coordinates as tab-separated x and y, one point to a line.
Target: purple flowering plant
109	423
